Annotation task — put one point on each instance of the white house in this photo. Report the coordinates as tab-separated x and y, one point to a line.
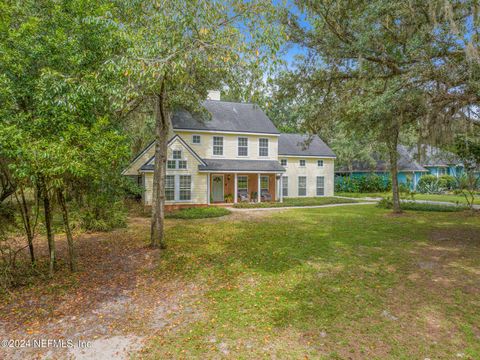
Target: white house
233	154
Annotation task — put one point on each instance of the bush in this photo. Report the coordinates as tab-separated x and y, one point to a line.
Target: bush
429	184
363	184
387	203
198	213
101	216
447	182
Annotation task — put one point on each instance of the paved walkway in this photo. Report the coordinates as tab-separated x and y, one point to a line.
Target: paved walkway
300	207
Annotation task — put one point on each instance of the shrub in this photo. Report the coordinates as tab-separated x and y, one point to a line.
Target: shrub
363	184
99	216
429	184
447	182
415	206
198	213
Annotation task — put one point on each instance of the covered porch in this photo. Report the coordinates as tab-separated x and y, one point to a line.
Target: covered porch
232	188
232	181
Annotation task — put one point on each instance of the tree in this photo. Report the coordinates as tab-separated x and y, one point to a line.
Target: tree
386	65
55	100
183	49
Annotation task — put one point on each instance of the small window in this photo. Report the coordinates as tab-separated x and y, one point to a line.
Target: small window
170	187
171	164
283	162
263	147
217	145
302	186
302	163
320	186
242	146
196	139
177	154
242	183
185	184
264	183
285	185
320	163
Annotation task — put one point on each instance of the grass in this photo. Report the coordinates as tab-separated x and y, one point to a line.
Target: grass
198	213
288	202
331	283
432	197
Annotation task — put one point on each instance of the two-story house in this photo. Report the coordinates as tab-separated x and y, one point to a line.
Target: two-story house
236	155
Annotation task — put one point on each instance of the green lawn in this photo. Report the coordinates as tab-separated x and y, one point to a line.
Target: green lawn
301	201
334	283
444	197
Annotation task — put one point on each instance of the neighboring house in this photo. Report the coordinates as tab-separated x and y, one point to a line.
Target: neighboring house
409	170
233	155
411	165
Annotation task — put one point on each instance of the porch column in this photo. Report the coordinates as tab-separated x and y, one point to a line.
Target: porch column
235	194
208	188
259	198
281	188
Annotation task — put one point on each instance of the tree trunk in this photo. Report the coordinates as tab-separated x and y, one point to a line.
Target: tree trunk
162	127
48	225
66	224
27	223
393	154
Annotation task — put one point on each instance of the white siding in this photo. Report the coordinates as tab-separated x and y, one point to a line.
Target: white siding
311	171
199	180
230	145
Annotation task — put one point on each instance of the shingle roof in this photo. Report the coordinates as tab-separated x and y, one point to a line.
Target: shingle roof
405	163
241	165
433	156
303	145
226	116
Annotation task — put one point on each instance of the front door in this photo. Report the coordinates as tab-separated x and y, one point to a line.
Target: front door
217	188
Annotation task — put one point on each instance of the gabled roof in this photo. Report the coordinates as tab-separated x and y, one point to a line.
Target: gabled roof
241	165
405	163
149	165
303	145
433	156
226	116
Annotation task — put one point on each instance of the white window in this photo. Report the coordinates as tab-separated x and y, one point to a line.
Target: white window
302	186
263	147
242	183
302	163
264	183
242	146
217	145
177	162
182	164
320	186
196	139
185	187
285	185
283	162
170	187
320	163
